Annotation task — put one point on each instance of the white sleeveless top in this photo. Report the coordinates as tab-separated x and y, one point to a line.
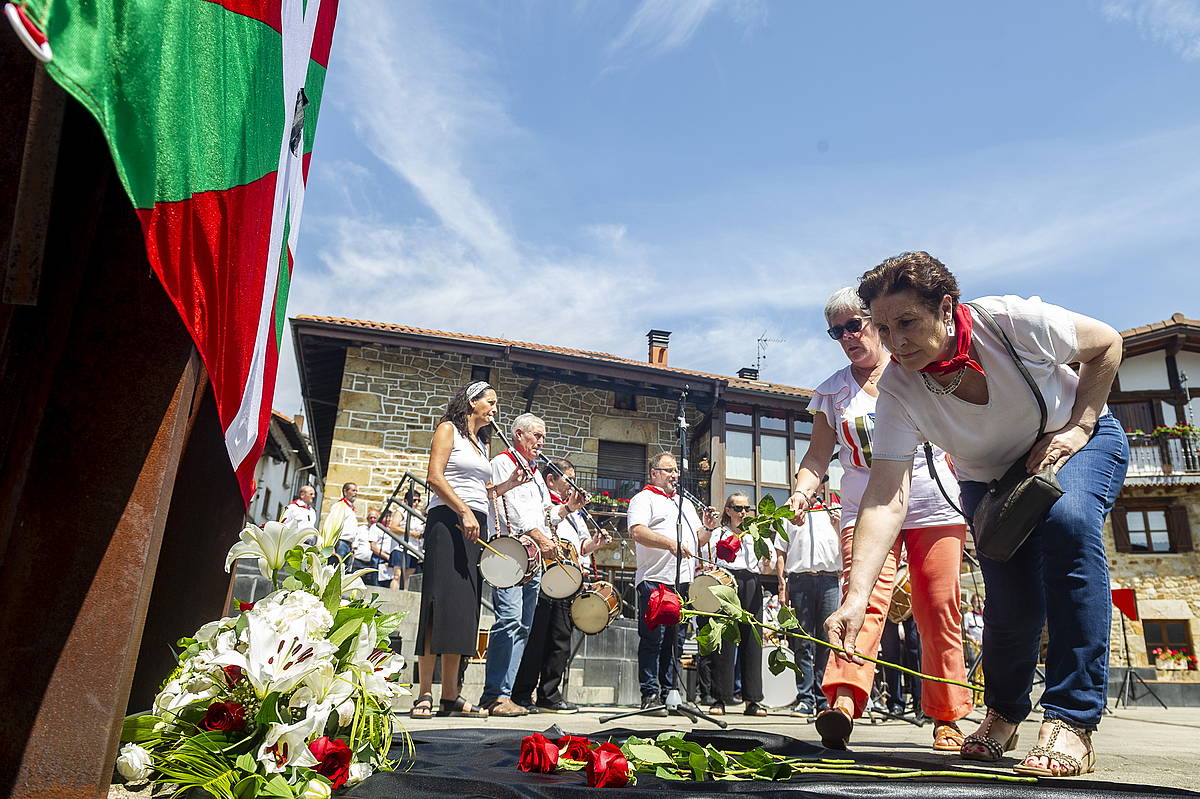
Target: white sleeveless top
468	472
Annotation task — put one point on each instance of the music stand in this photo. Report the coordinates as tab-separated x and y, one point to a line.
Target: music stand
1126	602
673	700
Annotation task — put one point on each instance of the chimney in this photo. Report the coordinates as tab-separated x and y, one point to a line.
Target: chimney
298	420
658	346
748	373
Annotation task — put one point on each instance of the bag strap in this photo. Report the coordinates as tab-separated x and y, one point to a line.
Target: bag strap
933	471
991	323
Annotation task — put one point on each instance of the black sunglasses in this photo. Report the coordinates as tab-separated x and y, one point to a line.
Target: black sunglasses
741	508
837	331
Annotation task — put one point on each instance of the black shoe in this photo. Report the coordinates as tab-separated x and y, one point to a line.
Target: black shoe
559	706
530	706
654	702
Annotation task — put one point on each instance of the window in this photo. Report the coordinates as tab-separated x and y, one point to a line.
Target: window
772	421
624	400
620	468
803	427
266	503
479	373
1151	528
739	418
739	455
1167	634
1135	415
773	460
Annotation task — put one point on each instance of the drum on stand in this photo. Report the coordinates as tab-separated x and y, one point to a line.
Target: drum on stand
514	562
901	607
562	578
701	590
779	689
596	607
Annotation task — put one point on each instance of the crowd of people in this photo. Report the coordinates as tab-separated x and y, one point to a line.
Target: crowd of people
935	402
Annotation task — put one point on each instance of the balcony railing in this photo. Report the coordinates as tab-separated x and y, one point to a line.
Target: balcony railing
623	485
1151	456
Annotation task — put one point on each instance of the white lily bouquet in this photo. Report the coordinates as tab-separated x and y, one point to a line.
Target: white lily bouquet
291	698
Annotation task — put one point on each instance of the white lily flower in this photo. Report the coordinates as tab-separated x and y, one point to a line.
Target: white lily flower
276	660
358	773
345	713
323	686
269	543
286	745
134	763
316	789
322	573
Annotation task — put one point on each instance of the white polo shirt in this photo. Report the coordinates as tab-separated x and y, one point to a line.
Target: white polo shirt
299	513
524	507
745	559
654	509
814	545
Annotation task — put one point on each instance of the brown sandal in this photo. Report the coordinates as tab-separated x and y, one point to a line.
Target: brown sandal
834	725
993	750
1075	766
947	737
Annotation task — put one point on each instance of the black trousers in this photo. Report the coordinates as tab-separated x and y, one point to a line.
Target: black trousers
545	659
749	649
901	687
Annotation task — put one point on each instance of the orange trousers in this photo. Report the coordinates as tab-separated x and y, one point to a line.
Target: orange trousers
934	560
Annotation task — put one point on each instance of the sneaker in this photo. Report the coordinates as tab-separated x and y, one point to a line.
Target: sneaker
505	707
802	710
656	703
560	706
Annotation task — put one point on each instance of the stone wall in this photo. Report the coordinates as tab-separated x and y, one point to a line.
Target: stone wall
1167	585
393	397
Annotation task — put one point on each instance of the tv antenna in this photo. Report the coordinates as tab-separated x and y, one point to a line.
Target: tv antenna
763	341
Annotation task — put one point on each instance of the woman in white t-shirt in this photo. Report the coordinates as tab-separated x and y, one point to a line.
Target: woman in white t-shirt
959	388
843	409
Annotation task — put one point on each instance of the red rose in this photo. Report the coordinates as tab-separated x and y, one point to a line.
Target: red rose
232	674
225	716
606	765
663	608
538	754
573	747
605	494
245	606
728	547
333	759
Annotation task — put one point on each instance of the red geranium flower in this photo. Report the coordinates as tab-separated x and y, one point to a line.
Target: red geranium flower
574	747
225	716
728	547
605	494
663	608
538	754
245	606
333	759
606	765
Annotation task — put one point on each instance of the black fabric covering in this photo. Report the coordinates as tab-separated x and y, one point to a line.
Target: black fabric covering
479	762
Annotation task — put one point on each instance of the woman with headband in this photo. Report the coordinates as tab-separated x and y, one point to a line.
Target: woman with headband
460	478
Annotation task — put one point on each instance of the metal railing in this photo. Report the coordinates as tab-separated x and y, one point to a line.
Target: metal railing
623	485
1160	455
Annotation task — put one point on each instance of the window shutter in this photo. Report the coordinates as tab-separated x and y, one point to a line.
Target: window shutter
1120	530
1179	530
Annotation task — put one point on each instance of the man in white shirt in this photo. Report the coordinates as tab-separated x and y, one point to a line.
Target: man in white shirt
340	525
361	548
523	510
808	566
300	511
653	514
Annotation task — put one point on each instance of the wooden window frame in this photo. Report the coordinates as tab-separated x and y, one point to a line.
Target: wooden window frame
755	429
1189	646
1179	534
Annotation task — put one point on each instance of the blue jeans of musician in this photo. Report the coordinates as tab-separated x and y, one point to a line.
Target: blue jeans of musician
813	596
658	649
514	608
1058	576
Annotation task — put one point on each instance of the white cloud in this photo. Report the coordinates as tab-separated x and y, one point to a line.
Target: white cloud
659	26
1175	23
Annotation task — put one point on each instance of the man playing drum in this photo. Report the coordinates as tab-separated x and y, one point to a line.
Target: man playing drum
522	511
652	523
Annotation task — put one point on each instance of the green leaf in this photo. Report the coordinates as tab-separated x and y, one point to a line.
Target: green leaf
332	598
277	786
761	548
766	504
647	753
716	757
138	727
246	762
269	712
777	662
292	584
667	774
786	618
710	636
247	787
344	632
699	765
728	598
755	758
241	624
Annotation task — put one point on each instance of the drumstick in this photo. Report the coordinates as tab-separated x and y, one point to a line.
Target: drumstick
489	546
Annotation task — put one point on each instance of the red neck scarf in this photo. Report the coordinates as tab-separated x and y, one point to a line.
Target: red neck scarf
520	465
658	491
556	499
962	346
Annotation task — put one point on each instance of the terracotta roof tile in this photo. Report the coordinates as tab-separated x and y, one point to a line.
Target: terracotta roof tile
1176	319
607	357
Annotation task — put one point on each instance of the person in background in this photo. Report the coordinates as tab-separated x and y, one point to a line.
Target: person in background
300	511
340	524
362	547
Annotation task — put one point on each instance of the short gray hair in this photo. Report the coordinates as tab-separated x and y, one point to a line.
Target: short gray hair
843	300
655	459
526	422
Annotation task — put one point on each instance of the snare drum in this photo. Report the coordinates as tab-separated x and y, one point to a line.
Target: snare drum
706	579
596	607
901	607
562	578
517	564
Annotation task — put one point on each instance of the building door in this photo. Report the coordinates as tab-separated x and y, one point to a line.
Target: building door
620	468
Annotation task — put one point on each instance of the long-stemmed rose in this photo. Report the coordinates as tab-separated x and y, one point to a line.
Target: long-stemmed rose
538	754
663	608
333	759
607	766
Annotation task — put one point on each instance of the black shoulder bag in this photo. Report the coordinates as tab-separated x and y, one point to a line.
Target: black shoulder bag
1017	502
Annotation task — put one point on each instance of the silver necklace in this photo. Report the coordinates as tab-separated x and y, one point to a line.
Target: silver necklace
936	388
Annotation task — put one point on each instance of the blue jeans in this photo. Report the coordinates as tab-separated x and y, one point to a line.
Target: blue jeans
813	597
1058	576
514	608
658	649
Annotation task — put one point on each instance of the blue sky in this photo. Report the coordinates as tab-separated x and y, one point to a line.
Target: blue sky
576	173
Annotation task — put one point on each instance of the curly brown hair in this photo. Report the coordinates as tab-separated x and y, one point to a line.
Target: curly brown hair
918	272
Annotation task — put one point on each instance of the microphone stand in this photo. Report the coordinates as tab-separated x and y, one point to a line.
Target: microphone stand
673	702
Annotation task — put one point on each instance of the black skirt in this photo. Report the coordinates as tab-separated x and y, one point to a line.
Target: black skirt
451	586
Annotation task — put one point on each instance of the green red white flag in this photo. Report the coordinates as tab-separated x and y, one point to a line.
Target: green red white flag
209	108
